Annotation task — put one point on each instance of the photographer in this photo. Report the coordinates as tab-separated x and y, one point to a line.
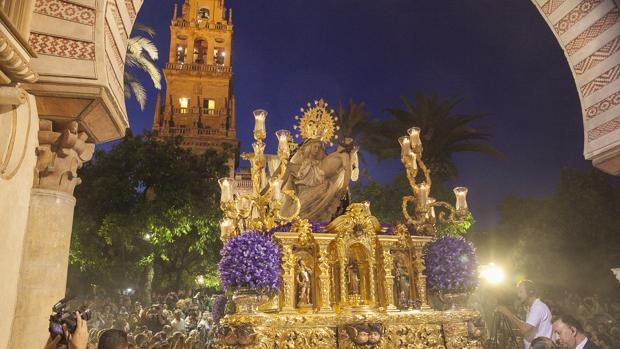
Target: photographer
76	340
538	319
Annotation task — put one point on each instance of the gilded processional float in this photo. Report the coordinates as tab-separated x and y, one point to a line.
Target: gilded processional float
309	269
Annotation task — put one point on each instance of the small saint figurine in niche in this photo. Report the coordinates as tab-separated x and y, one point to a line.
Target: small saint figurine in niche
353	278
304	283
403	285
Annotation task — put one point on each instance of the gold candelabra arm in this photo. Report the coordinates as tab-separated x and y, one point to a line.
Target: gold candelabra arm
454	215
405	209
290	194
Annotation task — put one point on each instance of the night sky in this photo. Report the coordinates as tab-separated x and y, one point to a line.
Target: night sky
500	55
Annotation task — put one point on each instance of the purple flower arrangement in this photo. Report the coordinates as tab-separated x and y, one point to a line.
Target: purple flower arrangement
252	260
451	265
219	306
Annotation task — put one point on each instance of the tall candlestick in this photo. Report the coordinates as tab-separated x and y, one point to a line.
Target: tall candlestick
414	136
226	187
259	120
461	197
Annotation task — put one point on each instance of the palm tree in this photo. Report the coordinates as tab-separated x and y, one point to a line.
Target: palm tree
141	56
352	121
444	133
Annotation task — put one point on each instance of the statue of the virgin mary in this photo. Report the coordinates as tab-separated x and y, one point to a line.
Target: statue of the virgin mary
320	180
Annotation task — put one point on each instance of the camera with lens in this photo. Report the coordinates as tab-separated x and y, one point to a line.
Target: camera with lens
60	316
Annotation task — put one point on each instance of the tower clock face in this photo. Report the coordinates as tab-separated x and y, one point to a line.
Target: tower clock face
203	14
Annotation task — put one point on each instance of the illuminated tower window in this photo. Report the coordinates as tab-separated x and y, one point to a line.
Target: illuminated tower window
184	103
209	106
219	56
180	56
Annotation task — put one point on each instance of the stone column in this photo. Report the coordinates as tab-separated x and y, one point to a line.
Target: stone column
388	283
324	280
43	272
420	276
288	278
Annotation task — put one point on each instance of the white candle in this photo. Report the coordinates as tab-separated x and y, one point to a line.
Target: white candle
283	136
461	197
414	136
226	187
405	147
423	190
276	191
259	120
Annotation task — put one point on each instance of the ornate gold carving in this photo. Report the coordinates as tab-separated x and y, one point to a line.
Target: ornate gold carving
320	337
288	278
62	151
324	277
421	336
304	231
404	239
317	122
457	336
388	283
420	276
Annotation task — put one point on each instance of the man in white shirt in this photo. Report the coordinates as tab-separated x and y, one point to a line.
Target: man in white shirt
178	324
570	333
538	320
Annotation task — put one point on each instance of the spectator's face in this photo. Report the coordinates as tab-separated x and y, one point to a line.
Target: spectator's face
521	293
566	334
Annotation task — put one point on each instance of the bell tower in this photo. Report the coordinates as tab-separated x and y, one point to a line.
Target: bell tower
199	103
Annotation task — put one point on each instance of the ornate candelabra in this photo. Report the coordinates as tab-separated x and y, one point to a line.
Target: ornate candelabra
424	217
261	210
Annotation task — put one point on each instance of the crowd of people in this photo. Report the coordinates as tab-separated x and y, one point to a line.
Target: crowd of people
564	320
183	320
599	317
175	320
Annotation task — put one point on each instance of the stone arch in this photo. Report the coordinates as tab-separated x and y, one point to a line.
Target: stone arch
589	33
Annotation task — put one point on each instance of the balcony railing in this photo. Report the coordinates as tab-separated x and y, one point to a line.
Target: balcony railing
202	111
188	132
216	69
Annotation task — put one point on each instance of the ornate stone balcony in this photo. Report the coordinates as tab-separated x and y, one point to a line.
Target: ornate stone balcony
80	47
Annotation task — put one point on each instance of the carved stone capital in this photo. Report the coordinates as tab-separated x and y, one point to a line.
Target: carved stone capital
61	152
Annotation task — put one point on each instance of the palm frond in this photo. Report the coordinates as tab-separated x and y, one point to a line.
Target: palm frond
133	86
144	29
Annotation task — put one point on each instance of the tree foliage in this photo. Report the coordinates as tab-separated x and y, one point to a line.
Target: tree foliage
147	205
